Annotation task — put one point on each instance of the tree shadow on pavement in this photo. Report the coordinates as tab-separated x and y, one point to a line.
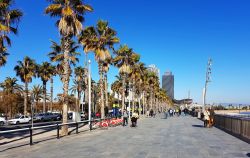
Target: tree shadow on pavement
24	137
200	126
248	154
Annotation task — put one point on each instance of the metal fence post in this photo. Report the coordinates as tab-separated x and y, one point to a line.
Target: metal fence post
57	126
76	128
241	127
90	125
31	141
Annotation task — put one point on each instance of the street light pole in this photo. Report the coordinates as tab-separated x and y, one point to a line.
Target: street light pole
89	84
129	107
208	79
32	110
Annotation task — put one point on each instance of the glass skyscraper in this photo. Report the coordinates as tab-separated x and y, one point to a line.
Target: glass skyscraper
168	83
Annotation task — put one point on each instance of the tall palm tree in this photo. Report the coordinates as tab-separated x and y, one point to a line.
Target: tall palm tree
105	67
136	76
45	71
37	92
117	87
26	69
101	41
79	84
70	15
10	89
153	81
10	85
106	38
86	39
52	87
125	58
9	19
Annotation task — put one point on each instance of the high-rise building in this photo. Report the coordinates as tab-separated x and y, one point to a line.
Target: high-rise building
168	83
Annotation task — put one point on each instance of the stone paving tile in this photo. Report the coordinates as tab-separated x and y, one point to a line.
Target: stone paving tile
181	137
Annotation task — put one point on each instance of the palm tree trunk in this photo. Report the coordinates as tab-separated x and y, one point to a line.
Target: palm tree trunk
101	91
106	90
51	93
78	101
25	98
86	91
36	105
151	99
133	95
123	92
66	74
139	100
44	97
93	97
143	103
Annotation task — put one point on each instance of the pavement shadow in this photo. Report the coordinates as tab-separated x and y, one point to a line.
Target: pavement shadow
199	126
24	136
17	146
74	130
248	154
34	141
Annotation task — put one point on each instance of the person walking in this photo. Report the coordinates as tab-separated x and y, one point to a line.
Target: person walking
125	117
180	112
151	113
206	117
171	112
211	117
134	118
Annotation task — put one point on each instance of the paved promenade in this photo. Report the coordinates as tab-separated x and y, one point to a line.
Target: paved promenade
178	137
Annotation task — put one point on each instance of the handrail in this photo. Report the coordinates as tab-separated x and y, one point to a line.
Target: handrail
30	129
41	127
237	126
14	130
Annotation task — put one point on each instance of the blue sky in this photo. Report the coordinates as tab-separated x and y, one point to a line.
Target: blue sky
174	35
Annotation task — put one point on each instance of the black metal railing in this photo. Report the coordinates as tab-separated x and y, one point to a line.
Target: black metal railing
57	125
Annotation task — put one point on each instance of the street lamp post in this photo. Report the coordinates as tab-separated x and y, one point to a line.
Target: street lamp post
32	110
89	86
129	105
208	79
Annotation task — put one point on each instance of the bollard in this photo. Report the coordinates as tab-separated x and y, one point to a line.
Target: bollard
76	128
90	126
31	141
57	126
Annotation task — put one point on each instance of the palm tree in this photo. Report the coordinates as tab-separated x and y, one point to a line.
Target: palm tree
79	84
117	87
105	67
152	82
37	92
136	76
26	69
102	39
3	58
45	72
57	55
9	19
52	87
87	39
10	89
124	59
10	85
70	15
